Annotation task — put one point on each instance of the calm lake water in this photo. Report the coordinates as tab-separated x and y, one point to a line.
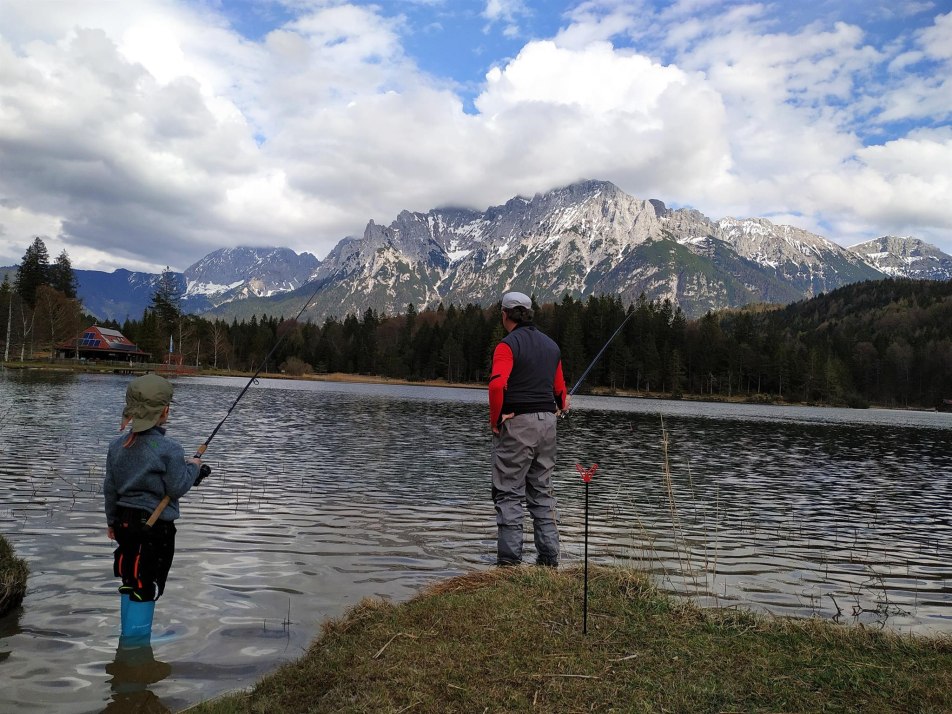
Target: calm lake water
323	494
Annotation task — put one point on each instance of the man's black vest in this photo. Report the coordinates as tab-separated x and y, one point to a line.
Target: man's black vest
535	357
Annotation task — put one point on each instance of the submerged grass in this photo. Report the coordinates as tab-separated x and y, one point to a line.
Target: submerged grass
510	640
13	576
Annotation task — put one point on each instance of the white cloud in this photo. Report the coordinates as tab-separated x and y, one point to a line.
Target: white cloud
640	124
155	134
927	95
506	12
600	21
937	40
146	144
795	104
543	72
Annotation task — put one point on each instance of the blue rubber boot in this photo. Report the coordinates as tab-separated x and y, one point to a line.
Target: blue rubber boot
136	620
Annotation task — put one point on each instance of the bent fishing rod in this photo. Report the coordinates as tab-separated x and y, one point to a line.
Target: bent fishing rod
206	470
600	353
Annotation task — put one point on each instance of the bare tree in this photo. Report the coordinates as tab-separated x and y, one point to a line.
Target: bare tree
219	340
58	316
7	295
27	318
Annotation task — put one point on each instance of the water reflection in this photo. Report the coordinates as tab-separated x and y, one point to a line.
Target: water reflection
322	494
132	671
9	626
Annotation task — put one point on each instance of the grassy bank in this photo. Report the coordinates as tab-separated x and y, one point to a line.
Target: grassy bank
13	575
510	640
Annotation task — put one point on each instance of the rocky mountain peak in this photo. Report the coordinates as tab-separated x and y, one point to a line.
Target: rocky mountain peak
258	271
905	257
584	239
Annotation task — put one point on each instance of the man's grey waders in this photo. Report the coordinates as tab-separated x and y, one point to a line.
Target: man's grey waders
523	459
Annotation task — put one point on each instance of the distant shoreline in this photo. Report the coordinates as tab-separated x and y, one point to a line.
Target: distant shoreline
346	377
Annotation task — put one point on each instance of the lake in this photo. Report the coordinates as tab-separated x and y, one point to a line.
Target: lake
325	493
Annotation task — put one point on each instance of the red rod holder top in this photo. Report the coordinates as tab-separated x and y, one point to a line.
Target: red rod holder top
586	473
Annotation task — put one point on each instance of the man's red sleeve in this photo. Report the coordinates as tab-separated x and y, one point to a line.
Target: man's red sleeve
558	387
498	381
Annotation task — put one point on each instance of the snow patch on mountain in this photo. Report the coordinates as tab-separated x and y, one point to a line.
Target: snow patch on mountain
906	257
198	288
588	238
238	273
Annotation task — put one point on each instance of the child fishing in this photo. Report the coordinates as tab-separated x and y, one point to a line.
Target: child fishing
144	467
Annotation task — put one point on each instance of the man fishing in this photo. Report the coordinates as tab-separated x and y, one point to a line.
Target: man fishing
526	393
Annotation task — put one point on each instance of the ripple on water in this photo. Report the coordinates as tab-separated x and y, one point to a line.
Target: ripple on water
322	495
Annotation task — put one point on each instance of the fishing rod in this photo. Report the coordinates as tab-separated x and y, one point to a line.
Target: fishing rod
206	470
600	353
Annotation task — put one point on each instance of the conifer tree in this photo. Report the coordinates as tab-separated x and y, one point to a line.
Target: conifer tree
62	276
406	341
573	349
167	298
33	272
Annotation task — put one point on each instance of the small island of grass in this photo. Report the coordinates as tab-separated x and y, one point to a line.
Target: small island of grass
511	640
13	575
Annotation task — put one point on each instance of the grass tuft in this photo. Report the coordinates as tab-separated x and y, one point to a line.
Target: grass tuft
13	576
510	640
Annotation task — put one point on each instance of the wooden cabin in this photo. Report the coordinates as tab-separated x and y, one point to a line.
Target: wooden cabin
101	343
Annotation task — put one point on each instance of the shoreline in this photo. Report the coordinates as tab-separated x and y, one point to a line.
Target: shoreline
346	377
510	639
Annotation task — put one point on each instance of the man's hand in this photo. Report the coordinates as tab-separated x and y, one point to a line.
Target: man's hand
502	420
111	533
566	405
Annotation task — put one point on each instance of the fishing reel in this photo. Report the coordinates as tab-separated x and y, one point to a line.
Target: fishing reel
203	472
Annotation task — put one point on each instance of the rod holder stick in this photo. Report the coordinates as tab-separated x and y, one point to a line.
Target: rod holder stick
586	475
585	596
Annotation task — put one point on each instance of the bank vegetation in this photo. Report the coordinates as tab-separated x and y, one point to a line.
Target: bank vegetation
511	640
13	577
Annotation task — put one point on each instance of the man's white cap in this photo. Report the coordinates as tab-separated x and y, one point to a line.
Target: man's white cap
510	300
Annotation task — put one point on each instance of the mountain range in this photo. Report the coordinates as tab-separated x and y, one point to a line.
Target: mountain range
587	238
220	277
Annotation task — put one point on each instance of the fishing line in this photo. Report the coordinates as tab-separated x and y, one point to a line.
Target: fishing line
254	377
206	470
599	355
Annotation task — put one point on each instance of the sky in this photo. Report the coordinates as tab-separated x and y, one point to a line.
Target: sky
141	134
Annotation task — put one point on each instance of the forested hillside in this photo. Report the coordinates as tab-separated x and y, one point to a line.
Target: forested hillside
886	342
